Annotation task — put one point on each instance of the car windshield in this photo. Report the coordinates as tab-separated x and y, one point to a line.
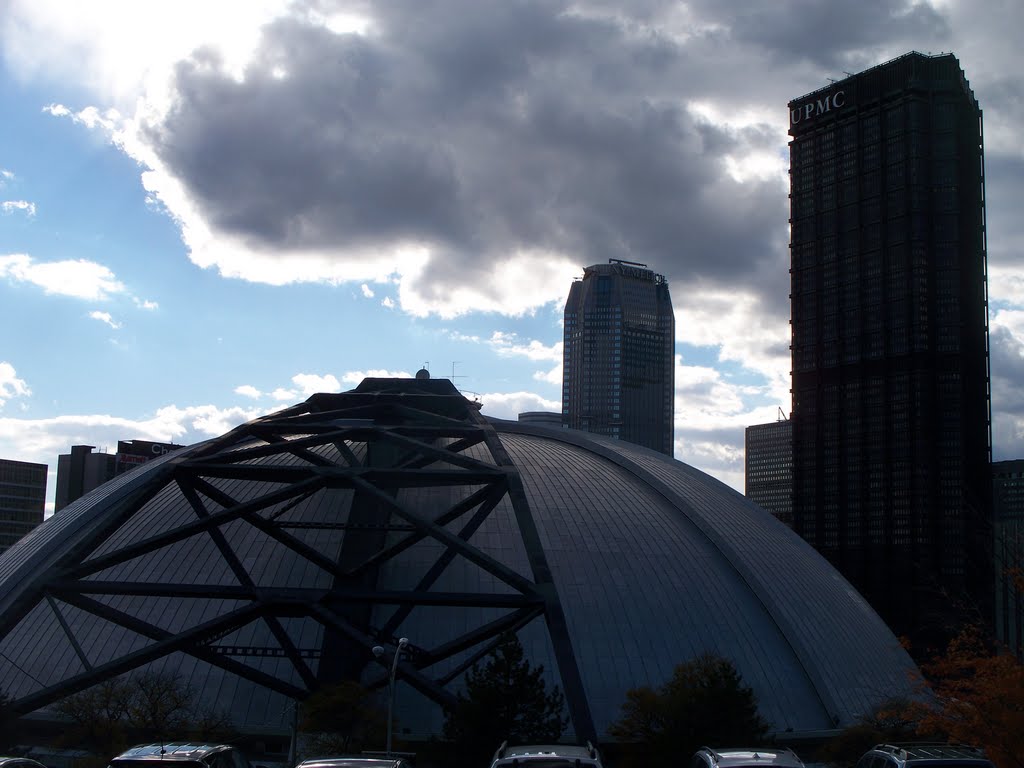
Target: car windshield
156	762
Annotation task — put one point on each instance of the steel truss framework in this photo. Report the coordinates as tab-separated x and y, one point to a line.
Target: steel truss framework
385	437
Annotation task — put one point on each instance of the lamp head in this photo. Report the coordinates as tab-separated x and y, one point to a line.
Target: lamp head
378	651
402	642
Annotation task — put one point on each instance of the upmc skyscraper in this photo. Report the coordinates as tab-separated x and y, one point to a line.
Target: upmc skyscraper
891	416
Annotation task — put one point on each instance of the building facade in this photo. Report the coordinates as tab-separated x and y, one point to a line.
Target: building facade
618	357
1008	504
79	472
82	470
22	499
891	414
768	467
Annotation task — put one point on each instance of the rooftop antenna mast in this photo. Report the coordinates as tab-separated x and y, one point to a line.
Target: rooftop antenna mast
460	376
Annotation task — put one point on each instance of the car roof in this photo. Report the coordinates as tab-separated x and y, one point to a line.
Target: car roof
731	756
530	751
6	759
921	751
355	762
171	751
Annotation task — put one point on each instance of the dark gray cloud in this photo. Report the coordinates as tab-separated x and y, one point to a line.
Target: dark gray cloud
479	129
840	35
489	127
1007	395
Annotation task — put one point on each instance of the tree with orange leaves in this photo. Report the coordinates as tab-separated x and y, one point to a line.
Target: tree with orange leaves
974	695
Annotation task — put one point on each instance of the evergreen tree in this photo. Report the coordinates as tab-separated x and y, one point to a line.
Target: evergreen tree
704	702
504	700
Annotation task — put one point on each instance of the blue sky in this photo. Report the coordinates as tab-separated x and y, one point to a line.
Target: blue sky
211	212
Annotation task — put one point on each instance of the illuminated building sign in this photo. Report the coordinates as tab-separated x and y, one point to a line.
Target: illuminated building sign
817	107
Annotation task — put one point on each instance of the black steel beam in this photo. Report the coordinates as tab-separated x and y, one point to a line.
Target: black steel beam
510	622
434	572
288	599
235	564
412	675
273	530
69	634
131	551
165	644
492	494
342	477
474	555
558	628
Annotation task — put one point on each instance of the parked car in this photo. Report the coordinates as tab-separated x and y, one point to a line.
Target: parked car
546	756
181	755
356	761
20	762
924	755
745	757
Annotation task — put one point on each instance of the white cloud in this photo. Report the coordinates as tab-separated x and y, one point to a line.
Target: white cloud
1012	320
306	384
5	176
43	440
105	317
734	322
554	376
209	420
311	384
388	302
354	377
78	278
145	304
514	287
703	400
508	405
367	291
108	45
10	206
508	345
10	385
1006	285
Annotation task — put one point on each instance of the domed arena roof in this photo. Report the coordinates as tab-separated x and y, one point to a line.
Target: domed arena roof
269	561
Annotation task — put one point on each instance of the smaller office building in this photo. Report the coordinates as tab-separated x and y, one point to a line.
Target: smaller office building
768	468
22	499
1008	497
82	470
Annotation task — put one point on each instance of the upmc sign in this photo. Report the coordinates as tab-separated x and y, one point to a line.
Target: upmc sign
816	108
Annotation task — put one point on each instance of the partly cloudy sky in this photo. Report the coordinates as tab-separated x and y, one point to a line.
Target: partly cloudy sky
209	211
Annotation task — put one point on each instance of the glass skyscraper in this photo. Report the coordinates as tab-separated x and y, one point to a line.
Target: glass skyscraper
619	355
891	414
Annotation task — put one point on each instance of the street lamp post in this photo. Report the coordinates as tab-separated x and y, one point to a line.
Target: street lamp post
378	651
